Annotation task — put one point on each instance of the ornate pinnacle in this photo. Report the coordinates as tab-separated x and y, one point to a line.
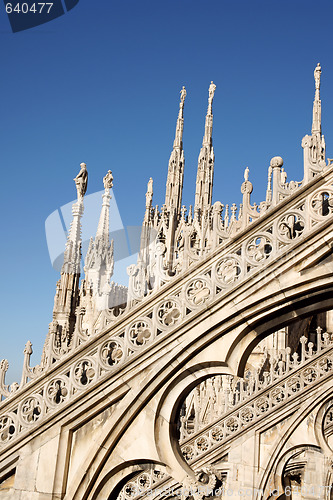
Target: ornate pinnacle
179	128
108	180
316	120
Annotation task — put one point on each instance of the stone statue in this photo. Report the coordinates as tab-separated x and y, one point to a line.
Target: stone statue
182	97
211	91
149	193
283	176
81	181
108	180
317	73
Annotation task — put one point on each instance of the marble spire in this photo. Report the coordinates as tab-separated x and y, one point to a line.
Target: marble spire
72	255
314	144
174	184
67	293
316	120
205	173
99	262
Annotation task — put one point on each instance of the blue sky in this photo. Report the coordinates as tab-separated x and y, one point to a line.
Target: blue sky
101	85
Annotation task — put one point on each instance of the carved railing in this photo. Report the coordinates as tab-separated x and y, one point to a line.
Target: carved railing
222	393
142	483
288	376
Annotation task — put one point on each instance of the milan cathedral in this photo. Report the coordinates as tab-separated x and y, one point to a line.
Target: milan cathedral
210	375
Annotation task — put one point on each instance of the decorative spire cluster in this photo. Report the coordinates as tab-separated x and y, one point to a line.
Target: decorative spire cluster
79	305
174	237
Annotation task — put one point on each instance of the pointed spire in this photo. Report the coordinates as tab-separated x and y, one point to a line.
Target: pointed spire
207	139
174	185
178	142
314	144
72	255
102	232
149	200
205	173
99	261
316	121
67	293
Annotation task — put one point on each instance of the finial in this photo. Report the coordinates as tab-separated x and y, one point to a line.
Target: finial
81	181
182	97
246	174
108	180
276	161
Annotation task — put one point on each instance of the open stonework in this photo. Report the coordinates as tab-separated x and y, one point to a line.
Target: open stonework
210	375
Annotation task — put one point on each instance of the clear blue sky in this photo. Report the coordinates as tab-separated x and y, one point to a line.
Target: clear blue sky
101	85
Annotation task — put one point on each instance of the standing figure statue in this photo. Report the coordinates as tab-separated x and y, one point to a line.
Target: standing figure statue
149	193
108	180
211	91
81	181
182	97
317	73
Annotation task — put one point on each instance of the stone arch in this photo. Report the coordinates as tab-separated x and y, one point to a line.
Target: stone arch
281	466
319	425
166	416
110	485
260	329
275	465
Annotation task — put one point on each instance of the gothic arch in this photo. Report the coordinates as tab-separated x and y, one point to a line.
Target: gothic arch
319	424
276	463
110	485
173	395
280	468
282	316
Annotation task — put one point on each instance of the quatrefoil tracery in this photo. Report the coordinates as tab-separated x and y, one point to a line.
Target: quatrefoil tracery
291	226
140	333
259	248
111	353
228	270
169	313
198	291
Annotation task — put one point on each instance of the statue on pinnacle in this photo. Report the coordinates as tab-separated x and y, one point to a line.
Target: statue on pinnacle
212	88
182	97
108	180
81	181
